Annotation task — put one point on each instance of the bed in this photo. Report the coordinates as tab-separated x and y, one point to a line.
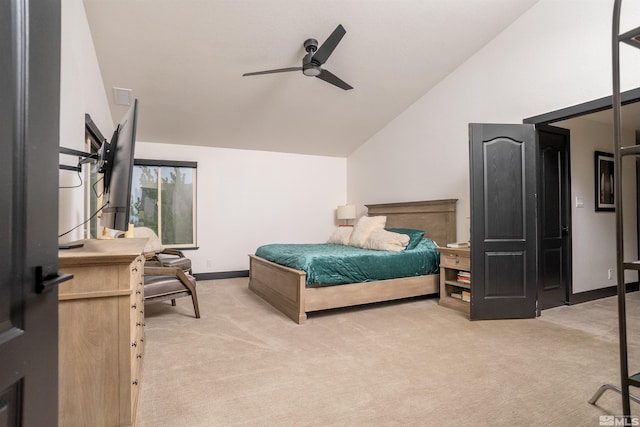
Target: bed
285	288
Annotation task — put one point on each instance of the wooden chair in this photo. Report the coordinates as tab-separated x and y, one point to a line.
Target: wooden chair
167	272
163	283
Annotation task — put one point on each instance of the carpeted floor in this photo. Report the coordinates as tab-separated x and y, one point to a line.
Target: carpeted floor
404	363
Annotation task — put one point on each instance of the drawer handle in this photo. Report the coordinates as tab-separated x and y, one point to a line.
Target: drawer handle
138	324
138	356
134	306
141	339
134	269
138	291
135	382
134	344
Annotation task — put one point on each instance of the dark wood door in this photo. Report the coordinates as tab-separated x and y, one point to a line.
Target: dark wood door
554	216
29	127
503	222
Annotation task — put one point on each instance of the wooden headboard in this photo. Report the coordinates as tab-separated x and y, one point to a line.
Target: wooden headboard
436	217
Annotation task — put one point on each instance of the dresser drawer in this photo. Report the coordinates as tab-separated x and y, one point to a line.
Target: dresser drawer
451	260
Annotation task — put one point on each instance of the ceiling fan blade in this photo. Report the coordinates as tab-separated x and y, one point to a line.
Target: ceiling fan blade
329	77
324	51
279	70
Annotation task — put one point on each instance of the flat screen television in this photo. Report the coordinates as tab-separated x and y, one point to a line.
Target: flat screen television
116	162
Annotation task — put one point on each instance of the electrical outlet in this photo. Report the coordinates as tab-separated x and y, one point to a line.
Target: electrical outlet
610	273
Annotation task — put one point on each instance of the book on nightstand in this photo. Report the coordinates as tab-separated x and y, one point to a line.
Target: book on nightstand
466	296
463	277
458	245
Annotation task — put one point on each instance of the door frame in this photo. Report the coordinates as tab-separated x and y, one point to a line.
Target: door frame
600	104
578	110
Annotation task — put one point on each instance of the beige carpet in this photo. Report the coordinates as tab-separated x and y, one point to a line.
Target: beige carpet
408	363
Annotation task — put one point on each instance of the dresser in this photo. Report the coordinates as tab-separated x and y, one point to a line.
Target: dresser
101	333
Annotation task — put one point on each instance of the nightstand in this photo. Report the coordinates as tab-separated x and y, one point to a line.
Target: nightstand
455	279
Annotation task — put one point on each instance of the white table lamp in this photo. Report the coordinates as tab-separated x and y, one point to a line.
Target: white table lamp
346	212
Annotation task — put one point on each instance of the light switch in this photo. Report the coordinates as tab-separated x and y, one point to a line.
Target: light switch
579	202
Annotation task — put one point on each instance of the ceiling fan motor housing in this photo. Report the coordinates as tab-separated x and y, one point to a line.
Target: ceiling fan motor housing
311	45
309	66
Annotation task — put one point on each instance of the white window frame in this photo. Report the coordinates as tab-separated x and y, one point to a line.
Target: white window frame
158	164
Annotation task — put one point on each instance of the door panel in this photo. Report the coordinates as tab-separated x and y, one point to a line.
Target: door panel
9	406
507	272
29	133
503	223
503	189
11	325
554	207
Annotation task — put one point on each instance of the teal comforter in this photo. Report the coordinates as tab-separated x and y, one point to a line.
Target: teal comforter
329	264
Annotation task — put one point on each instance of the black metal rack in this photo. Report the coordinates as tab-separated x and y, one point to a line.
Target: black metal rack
631	38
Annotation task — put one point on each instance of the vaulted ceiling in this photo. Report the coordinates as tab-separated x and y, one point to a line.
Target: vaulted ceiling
184	61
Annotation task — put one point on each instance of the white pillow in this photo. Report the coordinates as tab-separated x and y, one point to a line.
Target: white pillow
363	229
383	240
341	236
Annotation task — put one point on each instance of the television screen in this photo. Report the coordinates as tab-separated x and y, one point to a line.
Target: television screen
117	168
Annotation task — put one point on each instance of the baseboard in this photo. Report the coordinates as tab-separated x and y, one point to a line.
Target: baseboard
222	275
600	293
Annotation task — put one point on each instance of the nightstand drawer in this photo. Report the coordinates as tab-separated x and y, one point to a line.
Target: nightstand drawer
450	260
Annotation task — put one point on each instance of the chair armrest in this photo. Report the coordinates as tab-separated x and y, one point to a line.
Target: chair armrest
185	280
149	255
175	252
161	271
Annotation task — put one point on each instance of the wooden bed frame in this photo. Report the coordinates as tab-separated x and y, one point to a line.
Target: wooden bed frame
284	287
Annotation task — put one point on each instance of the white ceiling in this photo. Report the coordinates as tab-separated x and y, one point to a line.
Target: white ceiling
184	61
629	117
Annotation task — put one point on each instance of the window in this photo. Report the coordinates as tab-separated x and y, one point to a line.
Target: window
163	198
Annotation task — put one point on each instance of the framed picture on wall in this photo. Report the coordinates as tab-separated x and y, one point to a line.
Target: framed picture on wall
604	187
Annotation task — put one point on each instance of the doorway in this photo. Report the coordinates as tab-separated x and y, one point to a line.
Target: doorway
520	229
597	112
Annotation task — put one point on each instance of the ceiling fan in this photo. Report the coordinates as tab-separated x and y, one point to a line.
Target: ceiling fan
315	57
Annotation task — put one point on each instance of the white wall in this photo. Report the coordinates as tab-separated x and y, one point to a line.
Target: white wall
249	198
556	55
594	233
81	91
